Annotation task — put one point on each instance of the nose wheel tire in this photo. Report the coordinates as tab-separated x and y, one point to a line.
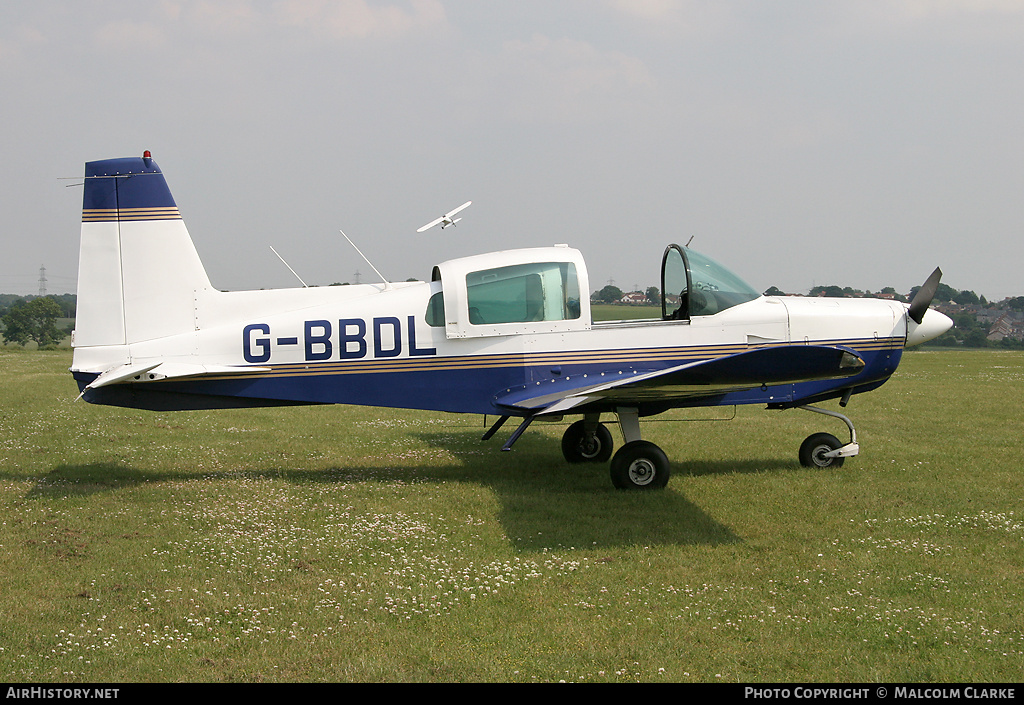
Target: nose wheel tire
640	465
814	449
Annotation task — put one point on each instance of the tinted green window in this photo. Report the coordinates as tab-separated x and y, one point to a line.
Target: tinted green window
673	285
435	310
547	291
715	288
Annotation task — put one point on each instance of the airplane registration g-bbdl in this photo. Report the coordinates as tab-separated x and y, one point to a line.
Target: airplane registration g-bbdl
507	333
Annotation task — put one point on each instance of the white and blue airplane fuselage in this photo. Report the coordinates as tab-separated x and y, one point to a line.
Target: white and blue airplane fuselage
506	333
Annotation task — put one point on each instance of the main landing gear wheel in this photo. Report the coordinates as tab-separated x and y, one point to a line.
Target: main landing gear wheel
813	451
579	446
640	465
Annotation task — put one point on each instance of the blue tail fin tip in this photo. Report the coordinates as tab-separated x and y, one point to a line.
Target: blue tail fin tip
127	183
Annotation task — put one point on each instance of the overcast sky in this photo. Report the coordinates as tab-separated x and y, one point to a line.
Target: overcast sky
799	142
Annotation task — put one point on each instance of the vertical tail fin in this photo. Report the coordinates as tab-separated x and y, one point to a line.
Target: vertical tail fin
138	271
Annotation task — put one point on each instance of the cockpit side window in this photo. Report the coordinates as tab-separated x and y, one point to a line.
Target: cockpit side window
435	310
675	286
544	291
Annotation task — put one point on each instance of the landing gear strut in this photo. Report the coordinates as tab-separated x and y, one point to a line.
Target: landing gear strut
823	450
638	465
641	465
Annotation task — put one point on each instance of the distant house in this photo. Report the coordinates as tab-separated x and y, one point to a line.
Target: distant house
1009	325
635	297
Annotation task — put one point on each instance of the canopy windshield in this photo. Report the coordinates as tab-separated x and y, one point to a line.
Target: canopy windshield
695	285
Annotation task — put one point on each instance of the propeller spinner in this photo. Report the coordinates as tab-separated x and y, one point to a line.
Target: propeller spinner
924	323
923	297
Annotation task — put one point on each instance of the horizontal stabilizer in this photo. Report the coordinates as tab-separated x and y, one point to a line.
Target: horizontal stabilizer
745	370
122	373
156	371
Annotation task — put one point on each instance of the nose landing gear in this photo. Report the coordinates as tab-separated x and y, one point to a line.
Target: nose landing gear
823	450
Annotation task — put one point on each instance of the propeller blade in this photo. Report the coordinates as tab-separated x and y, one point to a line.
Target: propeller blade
923	297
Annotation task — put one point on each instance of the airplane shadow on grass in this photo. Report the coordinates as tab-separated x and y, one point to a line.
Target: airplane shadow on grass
548	503
545	503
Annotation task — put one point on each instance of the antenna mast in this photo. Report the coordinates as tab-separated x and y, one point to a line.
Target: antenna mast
289	267
387	284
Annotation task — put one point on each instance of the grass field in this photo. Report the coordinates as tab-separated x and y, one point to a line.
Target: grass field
618	312
352	544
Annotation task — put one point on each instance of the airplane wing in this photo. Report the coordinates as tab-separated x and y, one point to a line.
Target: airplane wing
431	224
465	205
745	370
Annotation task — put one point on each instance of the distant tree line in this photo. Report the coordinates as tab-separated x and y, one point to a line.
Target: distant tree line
67	303
26	319
34	318
611	294
944	293
968	330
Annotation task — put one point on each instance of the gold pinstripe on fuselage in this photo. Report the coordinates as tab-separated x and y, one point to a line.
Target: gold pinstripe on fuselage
610	358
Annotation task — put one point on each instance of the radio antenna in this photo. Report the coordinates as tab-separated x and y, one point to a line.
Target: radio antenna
288	266
387	284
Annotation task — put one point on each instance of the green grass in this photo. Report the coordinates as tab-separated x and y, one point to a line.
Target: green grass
352	544
623	312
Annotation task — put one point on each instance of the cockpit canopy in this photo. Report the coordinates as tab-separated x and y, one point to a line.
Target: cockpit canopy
516	291
544	290
693	284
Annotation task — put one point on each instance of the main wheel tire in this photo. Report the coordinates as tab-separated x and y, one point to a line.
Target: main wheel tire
580	447
640	465
813	449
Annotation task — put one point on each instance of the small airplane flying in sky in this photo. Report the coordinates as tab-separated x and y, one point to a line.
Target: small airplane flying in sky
446	219
507	333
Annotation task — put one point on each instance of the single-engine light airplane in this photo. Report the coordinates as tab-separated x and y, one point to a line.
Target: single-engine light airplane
446	219
507	334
